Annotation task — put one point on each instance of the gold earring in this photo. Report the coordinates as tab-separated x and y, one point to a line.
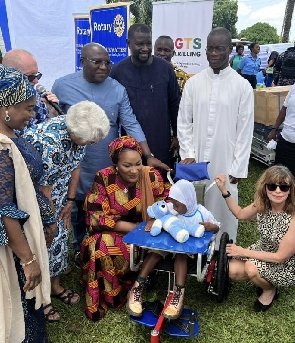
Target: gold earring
7	118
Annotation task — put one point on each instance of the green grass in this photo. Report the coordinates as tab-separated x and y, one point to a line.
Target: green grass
232	321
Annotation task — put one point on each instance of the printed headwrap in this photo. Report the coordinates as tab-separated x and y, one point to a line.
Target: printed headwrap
14	87
123	142
184	192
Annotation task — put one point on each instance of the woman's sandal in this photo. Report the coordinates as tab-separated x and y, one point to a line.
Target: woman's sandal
66	298
51	312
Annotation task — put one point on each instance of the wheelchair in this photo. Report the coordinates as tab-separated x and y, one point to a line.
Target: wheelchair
207	266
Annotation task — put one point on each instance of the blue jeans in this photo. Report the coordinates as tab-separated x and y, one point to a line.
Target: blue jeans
78	223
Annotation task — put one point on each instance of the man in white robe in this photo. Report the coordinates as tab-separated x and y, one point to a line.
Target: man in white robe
215	124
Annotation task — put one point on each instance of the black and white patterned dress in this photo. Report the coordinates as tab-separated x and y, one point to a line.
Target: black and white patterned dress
272	228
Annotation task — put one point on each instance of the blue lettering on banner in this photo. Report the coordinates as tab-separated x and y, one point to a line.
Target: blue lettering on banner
109	28
82	37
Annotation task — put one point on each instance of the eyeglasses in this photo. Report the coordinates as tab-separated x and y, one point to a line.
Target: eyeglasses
100	63
32	77
272	187
217	49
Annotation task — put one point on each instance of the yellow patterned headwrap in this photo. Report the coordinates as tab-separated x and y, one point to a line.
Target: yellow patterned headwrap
124	142
14	87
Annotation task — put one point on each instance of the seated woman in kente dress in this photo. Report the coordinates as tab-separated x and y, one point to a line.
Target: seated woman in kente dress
116	203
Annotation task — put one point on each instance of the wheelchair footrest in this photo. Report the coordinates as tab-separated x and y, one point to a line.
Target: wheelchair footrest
150	314
186	325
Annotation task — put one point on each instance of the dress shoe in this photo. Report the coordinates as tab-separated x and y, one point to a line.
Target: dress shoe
259	307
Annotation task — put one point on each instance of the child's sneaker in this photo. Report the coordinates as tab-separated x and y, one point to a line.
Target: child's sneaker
134	301
175	307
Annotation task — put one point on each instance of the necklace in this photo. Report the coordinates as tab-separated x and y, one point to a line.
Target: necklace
125	190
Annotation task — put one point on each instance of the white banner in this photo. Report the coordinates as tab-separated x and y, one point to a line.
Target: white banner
188	23
45	29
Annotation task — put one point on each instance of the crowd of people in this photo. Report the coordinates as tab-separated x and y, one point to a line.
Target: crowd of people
100	165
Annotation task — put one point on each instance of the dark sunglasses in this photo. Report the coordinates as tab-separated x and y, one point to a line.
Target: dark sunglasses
272	187
32	77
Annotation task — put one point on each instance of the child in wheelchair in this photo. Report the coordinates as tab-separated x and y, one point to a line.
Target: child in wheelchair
183	197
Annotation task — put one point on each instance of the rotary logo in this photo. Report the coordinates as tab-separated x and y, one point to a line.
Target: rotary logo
119	25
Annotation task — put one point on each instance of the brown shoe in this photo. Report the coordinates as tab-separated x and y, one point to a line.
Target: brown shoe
133	305
175	307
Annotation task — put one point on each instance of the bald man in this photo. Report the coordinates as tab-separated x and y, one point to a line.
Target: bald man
93	83
27	64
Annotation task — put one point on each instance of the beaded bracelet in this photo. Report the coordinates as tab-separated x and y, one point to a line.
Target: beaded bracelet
28	263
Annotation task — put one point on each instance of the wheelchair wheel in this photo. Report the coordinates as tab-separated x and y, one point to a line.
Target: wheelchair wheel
222	275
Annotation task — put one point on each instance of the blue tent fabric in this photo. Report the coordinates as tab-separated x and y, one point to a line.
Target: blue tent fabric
191	172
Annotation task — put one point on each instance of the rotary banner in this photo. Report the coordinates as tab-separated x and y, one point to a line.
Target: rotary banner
82	36
109	25
188	23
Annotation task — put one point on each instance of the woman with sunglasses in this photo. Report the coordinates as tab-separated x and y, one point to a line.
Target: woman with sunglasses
269	263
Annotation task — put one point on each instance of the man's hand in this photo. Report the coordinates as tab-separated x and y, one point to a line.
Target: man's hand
65	215
174	144
272	135
233	179
53	98
188	161
154	162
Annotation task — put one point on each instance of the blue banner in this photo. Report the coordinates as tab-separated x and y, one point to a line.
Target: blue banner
82	36
4	25
109	25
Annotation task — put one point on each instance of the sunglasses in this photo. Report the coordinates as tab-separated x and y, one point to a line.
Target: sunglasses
272	187
32	77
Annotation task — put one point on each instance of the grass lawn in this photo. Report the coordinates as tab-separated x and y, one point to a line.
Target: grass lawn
232	321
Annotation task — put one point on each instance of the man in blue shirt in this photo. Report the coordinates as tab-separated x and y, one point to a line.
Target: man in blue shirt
93	83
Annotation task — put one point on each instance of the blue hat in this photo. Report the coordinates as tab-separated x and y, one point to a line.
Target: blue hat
14	87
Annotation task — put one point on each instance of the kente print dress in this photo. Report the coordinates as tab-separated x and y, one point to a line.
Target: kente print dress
60	157
105	257
34	319
272	228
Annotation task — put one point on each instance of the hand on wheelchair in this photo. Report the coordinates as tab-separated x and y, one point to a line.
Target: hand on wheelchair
233	250
188	161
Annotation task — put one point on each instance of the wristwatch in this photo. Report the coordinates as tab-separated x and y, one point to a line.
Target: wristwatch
149	156
226	195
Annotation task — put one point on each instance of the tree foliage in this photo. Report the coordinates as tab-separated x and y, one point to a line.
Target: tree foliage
225	14
261	33
141	10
